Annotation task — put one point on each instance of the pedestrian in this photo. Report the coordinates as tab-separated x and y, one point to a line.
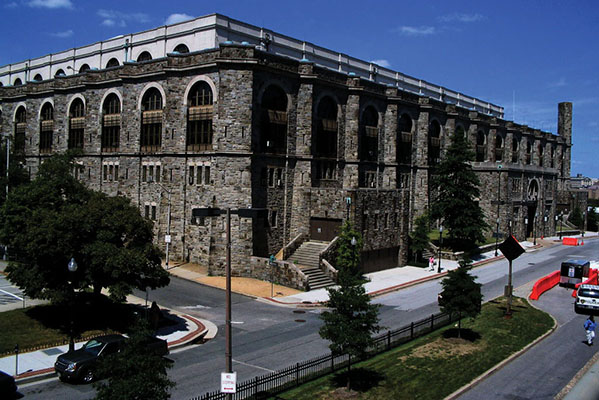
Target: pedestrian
431	263
589	326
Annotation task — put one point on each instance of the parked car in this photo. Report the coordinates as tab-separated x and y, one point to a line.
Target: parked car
587	300
81	364
8	387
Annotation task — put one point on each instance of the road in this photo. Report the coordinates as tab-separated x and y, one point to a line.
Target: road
267	337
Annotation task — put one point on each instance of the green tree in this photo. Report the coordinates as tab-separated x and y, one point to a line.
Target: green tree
576	218
592	220
350	319
461	295
419	237
457	191
55	218
134	373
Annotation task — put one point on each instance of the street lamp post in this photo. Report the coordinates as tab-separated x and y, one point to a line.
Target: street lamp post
498	202
509	279
534	231
72	267
561	222
167	238
440	244
5	256
247	213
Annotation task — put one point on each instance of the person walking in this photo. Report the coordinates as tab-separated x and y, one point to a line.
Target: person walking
589	327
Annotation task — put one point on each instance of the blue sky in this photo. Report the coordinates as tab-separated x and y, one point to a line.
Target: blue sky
533	54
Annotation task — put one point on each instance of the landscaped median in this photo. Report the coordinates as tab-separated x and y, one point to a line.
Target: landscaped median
436	365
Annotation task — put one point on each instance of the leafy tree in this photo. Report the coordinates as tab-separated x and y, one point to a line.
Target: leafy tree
461	295
55	218
419	237
16	173
134	373
455	202
592	220
350	319
576	218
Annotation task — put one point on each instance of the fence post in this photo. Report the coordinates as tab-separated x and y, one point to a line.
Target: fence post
297	374
432	322
256	387
412	330
388	340
332	362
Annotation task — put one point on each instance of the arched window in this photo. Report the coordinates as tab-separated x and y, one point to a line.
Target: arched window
515	149
37	78
434	143
144	56
58	73
459	130
151	121
541	151
273	135
181	48
46	128
498	147
113	62
199	117
111	123
481	146
20	129
18	82
404	140
528	152
369	135
324	146
553	156
84	68
76	124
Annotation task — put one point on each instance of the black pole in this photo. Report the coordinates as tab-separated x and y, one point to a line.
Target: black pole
498	199
228	353
440	244
508	310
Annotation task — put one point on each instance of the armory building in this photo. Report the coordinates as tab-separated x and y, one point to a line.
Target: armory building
214	112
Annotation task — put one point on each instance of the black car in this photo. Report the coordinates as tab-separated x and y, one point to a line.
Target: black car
81	364
8	387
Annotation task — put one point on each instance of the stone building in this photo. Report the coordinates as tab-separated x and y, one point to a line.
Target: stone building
214	112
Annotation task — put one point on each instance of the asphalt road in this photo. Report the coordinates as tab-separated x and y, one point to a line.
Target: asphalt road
267	337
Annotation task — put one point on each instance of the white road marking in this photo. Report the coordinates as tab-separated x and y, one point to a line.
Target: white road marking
11	294
255	366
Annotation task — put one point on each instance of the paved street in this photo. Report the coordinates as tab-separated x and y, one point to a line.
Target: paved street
268	337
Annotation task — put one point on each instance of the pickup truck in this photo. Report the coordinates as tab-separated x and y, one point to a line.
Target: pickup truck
81	364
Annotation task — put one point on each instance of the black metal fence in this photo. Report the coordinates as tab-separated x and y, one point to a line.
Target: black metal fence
261	387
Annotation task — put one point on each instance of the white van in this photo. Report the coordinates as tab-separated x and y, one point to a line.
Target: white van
587	300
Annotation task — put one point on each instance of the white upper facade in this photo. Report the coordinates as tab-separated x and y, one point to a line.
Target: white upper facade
208	32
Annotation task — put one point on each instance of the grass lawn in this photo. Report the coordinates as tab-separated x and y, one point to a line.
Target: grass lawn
47	325
435	365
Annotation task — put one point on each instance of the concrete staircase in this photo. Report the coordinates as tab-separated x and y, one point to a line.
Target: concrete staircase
306	258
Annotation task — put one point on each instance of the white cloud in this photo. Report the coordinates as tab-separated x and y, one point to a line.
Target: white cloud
51	3
461	17
12	4
117	18
64	34
382	63
417	30
557	84
175	18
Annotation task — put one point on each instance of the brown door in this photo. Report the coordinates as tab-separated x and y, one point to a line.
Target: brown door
324	229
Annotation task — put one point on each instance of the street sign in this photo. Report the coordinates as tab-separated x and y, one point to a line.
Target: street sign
510	248
228	382
167	238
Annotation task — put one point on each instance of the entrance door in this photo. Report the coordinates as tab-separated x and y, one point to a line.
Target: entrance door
324	229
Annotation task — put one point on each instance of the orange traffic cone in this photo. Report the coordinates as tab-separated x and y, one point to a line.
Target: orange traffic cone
582	242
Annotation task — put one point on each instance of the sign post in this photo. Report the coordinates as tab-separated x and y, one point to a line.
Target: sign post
511	249
228	382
